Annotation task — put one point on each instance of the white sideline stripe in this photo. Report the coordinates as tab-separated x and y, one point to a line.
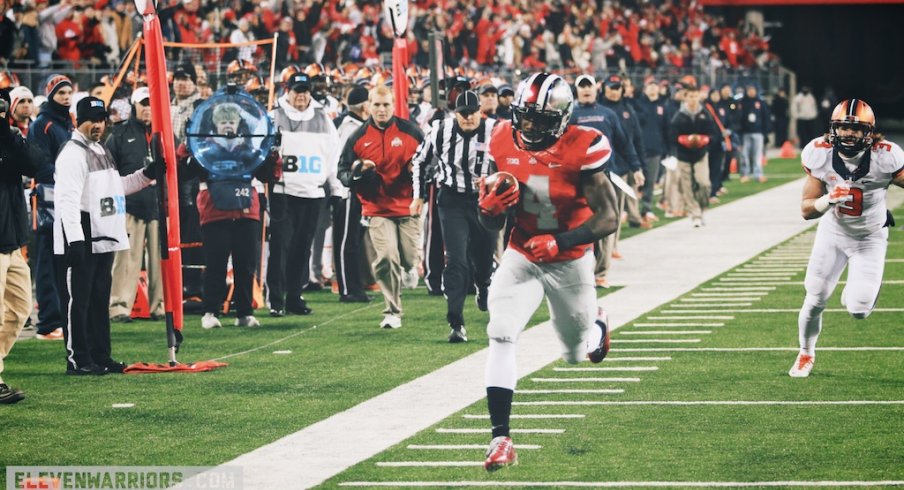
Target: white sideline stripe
777	310
716	307
762	273
623	484
585	380
723	299
703	317
480	447
513	431
532	416
604	369
895	261
668	332
656	341
741	288
766	283
654	325
694	403
755	349
754	279
428	464
730	294
616	359
770	268
611	391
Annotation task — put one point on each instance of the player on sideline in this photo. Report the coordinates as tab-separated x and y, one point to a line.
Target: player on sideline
849	171
566	203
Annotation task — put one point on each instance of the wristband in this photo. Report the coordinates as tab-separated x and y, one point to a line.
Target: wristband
572	238
822	204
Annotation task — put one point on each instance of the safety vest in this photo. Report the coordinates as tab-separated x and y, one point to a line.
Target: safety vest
309	151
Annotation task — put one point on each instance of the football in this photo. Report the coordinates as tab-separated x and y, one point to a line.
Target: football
506	179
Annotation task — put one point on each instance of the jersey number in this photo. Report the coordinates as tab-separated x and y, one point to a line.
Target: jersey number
854	207
536	201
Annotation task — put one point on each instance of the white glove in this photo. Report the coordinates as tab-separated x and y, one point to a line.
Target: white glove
670	163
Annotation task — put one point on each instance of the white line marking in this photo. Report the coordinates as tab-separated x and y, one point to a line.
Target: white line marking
728	295
656	341
514	431
775	310
616	359
622	484
894	261
613	391
533	416
652	325
427	464
693	403
723	299
741	288
703	317
282	352
605	369
480	447
761	274
770	268
716	307
761	283
668	332
753	349
123	405
753	279
585	380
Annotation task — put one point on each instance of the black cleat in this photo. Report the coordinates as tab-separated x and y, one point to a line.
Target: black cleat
457	334
355	298
481	298
598	354
89	370
8	395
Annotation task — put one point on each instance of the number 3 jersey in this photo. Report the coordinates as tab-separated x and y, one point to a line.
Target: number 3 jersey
551	200
865	213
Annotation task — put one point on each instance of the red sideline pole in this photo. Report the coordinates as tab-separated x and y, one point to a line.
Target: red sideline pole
161	122
399	77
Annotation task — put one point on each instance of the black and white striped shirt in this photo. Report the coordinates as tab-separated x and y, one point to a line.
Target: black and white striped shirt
452	158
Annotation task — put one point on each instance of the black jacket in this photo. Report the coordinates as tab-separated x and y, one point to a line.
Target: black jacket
129	146
685	123
15	161
654	120
631	125
47	134
755	116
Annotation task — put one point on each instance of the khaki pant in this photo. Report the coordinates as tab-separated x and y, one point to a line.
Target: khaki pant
694	174
608	244
631	205
127	268
15	300
395	242
672	191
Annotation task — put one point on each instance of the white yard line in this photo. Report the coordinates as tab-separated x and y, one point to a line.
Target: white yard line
714	307
740	288
701	317
529	416
754	349
655	341
454	447
428	464
694	403
772	310
608	391
668	332
626	484
723	299
659	325
488	430
604	369
730	294
585	380
637	359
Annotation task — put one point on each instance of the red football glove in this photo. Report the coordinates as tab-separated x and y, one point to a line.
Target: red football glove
493	204
841	193
543	248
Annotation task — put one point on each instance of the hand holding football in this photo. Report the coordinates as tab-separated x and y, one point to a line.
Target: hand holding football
505	180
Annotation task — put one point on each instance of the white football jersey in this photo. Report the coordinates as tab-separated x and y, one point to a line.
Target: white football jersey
866	212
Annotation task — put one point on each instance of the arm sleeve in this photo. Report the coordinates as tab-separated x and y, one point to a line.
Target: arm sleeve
421	163
348	157
40	141
623	145
71	175
134	182
336	187
638	142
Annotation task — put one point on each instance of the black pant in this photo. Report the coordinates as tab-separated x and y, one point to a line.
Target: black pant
85	290
222	239
466	243
434	262
807	130
293	222
347	251
50	315
716	161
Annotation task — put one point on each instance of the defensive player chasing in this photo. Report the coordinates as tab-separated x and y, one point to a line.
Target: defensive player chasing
566	204
849	171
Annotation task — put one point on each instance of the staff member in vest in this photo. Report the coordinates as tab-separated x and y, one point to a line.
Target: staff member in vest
455	152
347	231
309	150
129	145
90	226
691	130
376	164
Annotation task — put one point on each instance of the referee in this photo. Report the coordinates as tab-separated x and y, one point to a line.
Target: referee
454	155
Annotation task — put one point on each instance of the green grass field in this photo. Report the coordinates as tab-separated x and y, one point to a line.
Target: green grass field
339	358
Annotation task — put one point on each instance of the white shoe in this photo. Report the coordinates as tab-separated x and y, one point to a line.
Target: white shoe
802	366
247	321
698	222
209	320
391	321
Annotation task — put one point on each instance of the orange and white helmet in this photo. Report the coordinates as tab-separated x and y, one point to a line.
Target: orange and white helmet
852	114
256	84
8	80
238	67
315	70
287	73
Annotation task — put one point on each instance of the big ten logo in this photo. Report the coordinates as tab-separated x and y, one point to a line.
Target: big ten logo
303	164
112	205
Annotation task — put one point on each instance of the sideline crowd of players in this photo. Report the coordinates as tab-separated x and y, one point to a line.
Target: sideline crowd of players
552	166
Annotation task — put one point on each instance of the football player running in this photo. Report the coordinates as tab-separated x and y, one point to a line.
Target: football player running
563	203
849	171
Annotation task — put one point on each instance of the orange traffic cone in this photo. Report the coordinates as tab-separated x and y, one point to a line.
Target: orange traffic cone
141	307
733	166
787	150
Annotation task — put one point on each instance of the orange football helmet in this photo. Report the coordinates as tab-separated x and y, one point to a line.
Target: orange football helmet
287	73
8	80
852	114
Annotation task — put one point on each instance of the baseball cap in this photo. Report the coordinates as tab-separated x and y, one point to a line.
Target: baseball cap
613	81
186	70
467	102
506	90
90	109
140	94
584	79
488	89
358	95
299	82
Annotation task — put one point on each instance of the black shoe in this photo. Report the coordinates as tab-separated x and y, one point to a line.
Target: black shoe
313	286
8	395
299	310
277	313
121	319
481	299
435	292
457	334
114	367
598	354
90	370
355	298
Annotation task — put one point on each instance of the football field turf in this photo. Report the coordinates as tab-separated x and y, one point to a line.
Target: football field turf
299	370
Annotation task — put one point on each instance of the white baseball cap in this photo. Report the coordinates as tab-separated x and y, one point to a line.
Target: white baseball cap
582	78
140	94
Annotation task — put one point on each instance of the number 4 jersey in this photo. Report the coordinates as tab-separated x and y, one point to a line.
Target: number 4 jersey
550	180
865	213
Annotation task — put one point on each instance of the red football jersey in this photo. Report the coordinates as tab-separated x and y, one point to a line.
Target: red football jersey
552	200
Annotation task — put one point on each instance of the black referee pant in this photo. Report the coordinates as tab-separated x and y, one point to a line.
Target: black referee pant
85	294
467	243
293	222
347	251
434	261
239	238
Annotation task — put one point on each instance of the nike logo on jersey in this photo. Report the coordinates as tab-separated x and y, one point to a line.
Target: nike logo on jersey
367	143
131	140
555	165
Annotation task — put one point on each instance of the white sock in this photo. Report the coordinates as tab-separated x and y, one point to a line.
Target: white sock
809	324
502	368
594	337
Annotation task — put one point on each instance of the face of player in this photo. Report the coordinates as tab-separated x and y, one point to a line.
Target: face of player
183	87
299	100
63	96
143	111
468	121
227	126
849	132
93	130
381	108
24	109
586	93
